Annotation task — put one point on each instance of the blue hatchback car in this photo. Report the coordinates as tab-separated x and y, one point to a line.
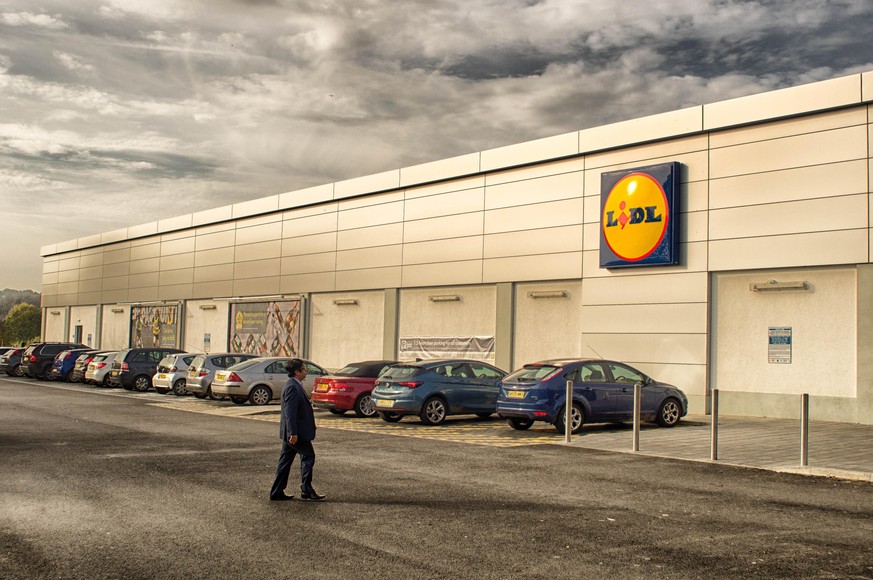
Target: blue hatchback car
603	392
64	362
434	389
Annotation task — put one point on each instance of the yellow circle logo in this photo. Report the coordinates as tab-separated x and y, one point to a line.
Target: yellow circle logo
635	217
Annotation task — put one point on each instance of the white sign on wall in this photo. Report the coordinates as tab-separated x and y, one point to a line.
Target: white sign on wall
779	345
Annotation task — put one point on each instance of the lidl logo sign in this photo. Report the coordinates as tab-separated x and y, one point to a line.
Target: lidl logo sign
638	210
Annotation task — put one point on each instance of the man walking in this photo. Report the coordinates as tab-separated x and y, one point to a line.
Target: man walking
297	431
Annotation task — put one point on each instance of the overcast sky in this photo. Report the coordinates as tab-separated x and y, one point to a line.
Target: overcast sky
121	112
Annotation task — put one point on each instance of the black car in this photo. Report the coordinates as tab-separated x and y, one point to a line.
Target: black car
10	362
133	368
37	360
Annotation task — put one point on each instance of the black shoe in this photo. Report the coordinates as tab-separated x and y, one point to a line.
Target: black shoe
311	496
282	497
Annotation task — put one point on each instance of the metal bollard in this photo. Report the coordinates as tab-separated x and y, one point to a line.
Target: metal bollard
713	440
804	429
568	412
638	390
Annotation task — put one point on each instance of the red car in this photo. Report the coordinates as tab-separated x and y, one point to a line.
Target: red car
349	389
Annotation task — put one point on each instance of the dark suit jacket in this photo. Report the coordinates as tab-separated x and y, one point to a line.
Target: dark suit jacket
297	416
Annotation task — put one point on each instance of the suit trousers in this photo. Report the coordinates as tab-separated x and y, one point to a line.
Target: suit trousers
283	469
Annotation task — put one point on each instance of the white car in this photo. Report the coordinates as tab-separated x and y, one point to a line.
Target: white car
172	372
99	367
260	380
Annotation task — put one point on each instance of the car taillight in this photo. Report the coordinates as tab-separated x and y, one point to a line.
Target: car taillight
124	366
339	387
99	365
203	372
409	384
16	351
33	358
233	377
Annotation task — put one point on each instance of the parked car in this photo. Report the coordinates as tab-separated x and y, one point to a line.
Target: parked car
201	372
603	392
134	368
64	362
435	389
37	360
99	368
171	374
260	380
10	362
81	365
350	388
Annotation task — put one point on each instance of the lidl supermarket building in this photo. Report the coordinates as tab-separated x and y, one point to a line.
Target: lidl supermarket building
724	246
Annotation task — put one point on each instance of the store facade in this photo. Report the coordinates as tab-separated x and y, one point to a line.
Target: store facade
721	246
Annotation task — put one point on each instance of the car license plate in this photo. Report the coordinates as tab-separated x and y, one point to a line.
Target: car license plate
515	394
322	388
384	403
162	376
219	376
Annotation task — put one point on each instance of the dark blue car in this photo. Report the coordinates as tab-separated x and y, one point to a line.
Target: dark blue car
603	392
64	363
434	389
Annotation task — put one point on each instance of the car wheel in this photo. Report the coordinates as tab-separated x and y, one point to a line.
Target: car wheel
520	424
75	379
211	395
577	419
162	391
45	374
483	415
389	417
142	383
337	411
105	381
179	388
669	413
433	412
200	395
16	371
239	400
260	396
364	406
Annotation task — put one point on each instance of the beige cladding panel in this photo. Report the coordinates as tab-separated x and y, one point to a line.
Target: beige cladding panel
180	246
811	182
544	241
531	217
448	227
543	189
91	260
50	266
213	273
49	279
798	151
177	262
467	272
646	289
547	327
692	257
462	165
473	315
814	249
218	289
68	264
119	269
688	150
542	267
141	252
529	172
538	150
49	290
308	263
256	221
310	225
256	286
143	294
116	283
176	292
216	240
838	213
95	272
175	277
457	249
95	285
113	296
90	297
257	269
789	127
68	276
68	287
380	257
147	279
451	203
688	318
214	257
143	266
371	215
314	282
312	244
369	237
371	278
360	325
121	256
258	251
261	233
431	189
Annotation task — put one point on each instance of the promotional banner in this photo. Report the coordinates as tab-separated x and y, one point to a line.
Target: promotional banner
265	328
154	326
426	347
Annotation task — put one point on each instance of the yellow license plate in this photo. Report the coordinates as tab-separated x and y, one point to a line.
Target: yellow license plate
384	403
322	388
163	376
515	394
219	376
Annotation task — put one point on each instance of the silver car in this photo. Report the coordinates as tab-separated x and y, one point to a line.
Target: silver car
260	380
99	367
172	373
203	367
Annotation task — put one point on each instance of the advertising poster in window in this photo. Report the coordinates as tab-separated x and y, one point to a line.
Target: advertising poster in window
154	326
265	328
425	347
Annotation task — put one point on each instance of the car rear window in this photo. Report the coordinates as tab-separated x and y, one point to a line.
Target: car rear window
532	373
362	370
243	365
401	372
100	357
198	362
